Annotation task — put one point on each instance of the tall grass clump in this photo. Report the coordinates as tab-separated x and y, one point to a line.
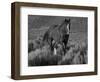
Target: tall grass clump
77	54
42	57
41	54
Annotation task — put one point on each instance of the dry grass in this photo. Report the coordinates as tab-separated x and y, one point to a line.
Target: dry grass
42	57
77	54
40	54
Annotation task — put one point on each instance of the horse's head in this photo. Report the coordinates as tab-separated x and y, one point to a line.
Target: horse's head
67	20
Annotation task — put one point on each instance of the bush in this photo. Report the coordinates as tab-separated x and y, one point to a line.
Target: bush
41	55
35	44
77	54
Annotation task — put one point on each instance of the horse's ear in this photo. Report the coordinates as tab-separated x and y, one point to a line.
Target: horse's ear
67	20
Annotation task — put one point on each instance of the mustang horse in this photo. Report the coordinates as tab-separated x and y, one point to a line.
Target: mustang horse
58	35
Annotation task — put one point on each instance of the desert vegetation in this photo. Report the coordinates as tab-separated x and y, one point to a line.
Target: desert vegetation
40	54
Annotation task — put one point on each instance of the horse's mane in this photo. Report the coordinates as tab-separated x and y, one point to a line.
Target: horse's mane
53	27
58	26
63	23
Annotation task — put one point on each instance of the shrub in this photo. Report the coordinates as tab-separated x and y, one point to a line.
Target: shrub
35	44
41	55
77	54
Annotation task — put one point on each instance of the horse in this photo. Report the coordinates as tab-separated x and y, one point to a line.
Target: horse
58	34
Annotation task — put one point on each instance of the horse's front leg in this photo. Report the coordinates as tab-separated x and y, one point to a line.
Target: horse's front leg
55	51
64	48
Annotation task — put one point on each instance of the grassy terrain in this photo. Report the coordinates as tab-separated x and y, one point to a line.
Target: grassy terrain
40	54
